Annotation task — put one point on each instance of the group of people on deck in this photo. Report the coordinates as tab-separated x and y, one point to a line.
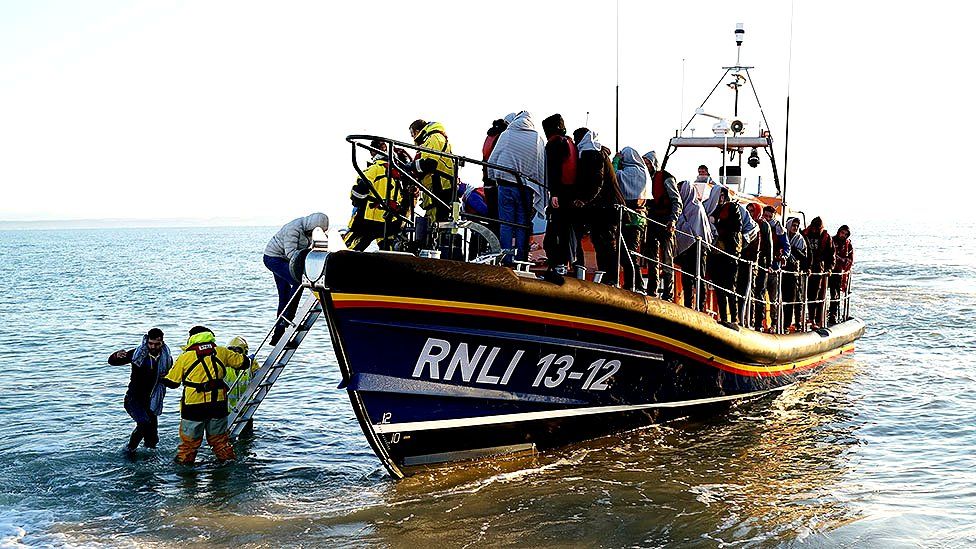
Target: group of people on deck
636	214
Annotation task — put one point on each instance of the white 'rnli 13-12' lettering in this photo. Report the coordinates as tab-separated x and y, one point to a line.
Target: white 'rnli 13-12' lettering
466	364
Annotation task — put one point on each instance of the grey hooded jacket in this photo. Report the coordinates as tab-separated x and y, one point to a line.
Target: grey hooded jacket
296	235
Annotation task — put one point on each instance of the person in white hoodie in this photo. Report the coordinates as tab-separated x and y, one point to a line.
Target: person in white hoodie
522	149
634	181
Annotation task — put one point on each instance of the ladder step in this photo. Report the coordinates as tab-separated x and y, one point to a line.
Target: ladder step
259	387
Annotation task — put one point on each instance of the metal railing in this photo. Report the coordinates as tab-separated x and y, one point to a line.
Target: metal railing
775	306
748	298
412	180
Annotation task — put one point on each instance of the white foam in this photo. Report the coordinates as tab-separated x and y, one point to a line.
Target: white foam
20	528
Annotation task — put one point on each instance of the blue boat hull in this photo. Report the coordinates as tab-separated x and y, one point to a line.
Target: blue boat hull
516	365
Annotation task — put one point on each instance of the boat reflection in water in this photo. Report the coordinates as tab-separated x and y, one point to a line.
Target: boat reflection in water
772	470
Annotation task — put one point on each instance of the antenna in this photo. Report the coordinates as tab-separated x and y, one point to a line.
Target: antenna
616	123
789	77
587	123
681	115
740	33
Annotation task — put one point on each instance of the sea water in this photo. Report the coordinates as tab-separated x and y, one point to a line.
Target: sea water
879	450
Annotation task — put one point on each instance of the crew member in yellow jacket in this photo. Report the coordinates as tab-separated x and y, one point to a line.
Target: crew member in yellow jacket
436	171
203	407
378	204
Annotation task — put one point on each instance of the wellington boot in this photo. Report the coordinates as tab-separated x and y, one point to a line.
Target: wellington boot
186	453
221	447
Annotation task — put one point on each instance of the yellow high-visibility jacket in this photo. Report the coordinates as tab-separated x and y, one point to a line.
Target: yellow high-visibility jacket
201	370
373	208
433	136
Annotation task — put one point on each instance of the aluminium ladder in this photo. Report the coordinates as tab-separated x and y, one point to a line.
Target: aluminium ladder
262	379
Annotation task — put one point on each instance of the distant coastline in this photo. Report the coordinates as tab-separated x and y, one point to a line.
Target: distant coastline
128	223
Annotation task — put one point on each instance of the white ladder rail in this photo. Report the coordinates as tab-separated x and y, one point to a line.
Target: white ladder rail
262	379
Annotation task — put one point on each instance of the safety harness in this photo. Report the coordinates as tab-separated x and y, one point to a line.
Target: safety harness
392	204
215	383
440	177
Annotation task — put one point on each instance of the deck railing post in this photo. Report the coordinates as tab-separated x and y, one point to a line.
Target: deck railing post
746	313
779	301
389	189
847	296
455	206
620	244
804	288
698	276
825	302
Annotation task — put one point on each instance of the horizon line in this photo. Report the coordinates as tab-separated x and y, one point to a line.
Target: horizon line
136	223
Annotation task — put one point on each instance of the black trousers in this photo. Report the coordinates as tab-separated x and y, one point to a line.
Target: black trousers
688	266
560	241
791	292
603	229
815	295
835	283
147	424
741	284
580	228
759	307
633	237
442	213
365	231
659	245
724	273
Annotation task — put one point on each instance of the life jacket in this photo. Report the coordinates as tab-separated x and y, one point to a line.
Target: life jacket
842	253
488	146
387	193
441	177
428	133
568	169
661	202
215	378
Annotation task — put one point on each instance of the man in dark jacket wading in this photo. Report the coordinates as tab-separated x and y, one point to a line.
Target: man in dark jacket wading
144	398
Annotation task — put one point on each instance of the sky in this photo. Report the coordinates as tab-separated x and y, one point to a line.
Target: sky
239	110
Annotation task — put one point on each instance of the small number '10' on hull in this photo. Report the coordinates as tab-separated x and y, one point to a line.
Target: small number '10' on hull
445	361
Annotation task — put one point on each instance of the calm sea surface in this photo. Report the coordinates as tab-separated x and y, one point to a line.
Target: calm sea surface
877	451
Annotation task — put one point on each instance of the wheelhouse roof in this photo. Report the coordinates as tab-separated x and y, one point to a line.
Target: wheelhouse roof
720	142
